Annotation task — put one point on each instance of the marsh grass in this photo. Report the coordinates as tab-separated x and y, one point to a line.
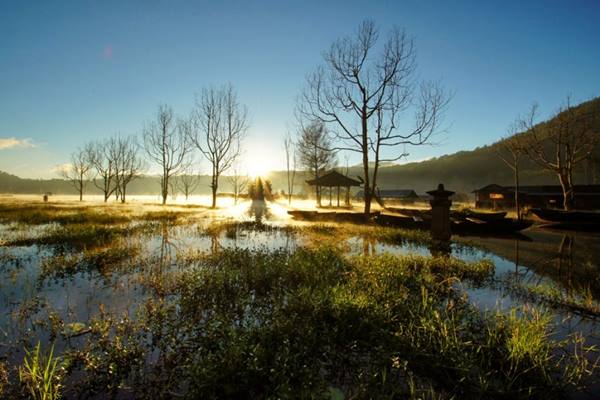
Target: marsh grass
40	374
75	235
40	214
104	260
319	233
164	216
307	322
312	323
582	302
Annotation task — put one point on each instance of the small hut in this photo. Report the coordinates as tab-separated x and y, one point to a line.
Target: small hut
332	180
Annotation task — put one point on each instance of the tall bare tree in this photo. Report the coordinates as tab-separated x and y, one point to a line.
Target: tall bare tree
77	171
220	123
166	143
315	152
291	164
562	142
101	156
363	95
129	164
510	152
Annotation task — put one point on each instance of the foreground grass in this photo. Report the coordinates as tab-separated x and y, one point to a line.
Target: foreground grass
304	323
313	323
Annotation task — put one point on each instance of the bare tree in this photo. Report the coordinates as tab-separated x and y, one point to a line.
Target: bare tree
238	181
188	180
363	97
77	171
562	142
129	164
510	152
291	164
220	123
166	143
315	151
101	156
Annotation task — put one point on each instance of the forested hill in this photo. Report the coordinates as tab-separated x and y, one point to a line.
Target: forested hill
468	170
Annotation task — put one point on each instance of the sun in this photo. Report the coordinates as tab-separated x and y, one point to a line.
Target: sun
257	169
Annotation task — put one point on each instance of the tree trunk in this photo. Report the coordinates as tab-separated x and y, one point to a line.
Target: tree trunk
517	205
123	194
365	151
165	193
81	192
367	188
214	195
567	187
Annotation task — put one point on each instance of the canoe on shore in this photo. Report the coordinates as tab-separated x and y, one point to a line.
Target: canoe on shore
330	216
586	217
504	226
398	221
460	215
481	216
459	226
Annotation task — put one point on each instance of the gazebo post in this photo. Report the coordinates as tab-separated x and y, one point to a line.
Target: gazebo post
330	196
318	196
338	196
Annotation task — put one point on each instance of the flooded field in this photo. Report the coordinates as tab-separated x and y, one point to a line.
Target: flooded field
138	295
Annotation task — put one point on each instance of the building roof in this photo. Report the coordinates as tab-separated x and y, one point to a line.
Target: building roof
333	178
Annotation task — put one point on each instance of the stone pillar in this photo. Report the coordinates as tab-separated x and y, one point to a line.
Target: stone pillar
440	213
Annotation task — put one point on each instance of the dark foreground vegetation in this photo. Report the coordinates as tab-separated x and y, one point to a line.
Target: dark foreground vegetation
302	321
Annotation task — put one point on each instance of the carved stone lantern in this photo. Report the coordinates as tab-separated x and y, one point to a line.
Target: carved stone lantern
440	213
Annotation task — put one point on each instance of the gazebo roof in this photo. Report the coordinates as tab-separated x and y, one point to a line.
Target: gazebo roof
333	178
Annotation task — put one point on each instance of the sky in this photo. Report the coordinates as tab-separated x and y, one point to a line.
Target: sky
71	72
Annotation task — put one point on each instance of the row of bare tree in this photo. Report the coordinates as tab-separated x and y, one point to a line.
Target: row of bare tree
111	164
215	129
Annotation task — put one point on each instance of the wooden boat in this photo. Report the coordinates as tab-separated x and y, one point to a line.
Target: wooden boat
482	216
587	217
330	216
462	226
402	221
505	226
420	215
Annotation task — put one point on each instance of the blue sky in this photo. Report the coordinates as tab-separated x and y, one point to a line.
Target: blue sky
71	72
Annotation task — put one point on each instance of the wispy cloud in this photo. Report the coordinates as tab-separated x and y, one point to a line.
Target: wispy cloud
12	142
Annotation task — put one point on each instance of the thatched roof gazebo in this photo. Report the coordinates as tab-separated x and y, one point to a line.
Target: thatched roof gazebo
335	179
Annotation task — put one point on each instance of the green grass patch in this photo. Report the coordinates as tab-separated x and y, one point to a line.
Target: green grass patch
312	323
47	214
76	235
550	294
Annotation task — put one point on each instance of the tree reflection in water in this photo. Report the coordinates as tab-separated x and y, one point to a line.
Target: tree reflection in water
259	211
